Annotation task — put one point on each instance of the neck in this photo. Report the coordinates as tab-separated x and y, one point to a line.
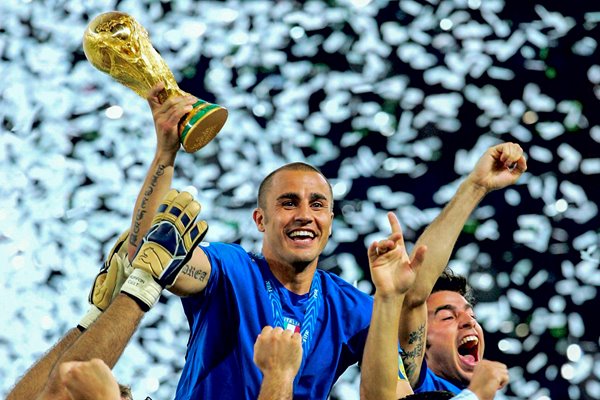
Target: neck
295	279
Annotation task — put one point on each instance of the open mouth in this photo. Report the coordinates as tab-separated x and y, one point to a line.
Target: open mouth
301	235
468	350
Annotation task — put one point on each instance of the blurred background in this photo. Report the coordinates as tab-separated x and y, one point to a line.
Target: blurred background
394	100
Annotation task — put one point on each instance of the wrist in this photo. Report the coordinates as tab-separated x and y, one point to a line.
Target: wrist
389	298
165	157
281	376
89	318
142	287
473	189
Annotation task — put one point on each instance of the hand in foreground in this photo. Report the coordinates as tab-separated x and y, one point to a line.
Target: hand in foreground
167	115
278	352
488	378
166	248
89	380
500	166
392	271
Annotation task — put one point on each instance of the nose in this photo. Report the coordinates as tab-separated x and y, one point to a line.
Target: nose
304	214
466	320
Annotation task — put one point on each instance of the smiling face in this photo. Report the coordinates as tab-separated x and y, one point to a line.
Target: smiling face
455	341
296	218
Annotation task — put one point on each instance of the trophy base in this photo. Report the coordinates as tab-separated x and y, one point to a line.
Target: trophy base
201	125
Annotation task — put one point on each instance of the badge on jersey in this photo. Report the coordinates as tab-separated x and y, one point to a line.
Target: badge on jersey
291	325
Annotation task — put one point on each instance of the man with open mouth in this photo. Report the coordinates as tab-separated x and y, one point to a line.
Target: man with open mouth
455	344
441	340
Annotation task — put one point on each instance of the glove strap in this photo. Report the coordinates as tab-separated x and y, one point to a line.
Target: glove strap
141	286
90	316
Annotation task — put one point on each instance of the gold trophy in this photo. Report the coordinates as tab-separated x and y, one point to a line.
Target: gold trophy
115	43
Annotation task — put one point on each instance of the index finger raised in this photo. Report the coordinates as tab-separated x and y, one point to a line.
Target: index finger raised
394	223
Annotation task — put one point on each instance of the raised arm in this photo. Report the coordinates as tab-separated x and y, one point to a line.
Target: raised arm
392	273
165	250
107	285
160	174
34	380
500	166
157	183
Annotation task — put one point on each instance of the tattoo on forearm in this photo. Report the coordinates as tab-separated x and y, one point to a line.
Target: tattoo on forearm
416	339
194	272
141	211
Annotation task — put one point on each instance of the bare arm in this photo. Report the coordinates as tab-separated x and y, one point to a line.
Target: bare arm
413	331
34	380
440	237
158	182
105	339
278	355
107	283
160	174
499	167
448	226
393	273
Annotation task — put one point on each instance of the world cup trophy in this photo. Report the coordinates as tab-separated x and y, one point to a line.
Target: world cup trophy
115	43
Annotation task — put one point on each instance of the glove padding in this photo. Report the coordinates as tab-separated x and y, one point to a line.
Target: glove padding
108	282
166	248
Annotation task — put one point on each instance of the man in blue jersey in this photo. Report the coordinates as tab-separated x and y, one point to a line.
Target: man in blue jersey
453	338
454	342
392	281
229	295
441	340
455	357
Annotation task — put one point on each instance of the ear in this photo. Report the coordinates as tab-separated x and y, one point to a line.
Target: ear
331	225
258	217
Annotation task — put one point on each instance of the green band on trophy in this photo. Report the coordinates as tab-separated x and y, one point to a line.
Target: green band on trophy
199	115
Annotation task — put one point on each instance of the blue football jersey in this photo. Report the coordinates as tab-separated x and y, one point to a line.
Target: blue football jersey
237	303
428	381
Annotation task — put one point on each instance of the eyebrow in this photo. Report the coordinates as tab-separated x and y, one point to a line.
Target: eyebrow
294	196
450	307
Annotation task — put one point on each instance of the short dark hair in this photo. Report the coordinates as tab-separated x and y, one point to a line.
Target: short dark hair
265	185
452	282
125	392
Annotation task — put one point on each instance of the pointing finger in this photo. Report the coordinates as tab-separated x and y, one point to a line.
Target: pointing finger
394	223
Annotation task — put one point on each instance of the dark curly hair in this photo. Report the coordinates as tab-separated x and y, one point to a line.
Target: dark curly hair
450	281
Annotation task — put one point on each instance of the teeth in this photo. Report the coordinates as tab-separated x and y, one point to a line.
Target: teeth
302	233
469	339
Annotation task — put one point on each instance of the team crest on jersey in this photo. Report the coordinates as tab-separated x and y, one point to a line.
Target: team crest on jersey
291	325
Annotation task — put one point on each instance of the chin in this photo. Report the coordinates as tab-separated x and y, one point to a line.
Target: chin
301	263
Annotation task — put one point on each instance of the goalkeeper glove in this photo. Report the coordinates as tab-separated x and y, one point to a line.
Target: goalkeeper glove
166	248
109	280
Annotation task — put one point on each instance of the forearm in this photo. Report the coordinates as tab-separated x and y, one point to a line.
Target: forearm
440	238
34	380
155	187
276	387
412	337
379	369
105	339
